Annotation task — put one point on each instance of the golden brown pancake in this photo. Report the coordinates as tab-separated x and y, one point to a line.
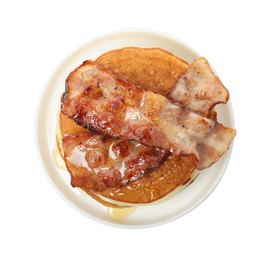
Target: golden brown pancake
155	70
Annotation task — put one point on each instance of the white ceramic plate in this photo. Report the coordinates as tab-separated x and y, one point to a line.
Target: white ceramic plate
144	216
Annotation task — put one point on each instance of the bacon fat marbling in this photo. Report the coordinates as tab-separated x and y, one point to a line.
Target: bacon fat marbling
96	99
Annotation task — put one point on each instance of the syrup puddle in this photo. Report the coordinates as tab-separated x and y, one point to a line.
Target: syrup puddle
121	213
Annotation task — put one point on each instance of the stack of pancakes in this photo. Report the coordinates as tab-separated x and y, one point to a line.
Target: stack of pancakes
155	70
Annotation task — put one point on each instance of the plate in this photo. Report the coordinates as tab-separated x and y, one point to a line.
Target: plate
46	117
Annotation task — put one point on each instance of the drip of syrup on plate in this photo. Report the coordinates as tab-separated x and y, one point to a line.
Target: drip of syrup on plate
57	158
121	213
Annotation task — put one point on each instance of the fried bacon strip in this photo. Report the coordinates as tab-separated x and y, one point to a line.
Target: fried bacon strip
98	162
98	100
198	88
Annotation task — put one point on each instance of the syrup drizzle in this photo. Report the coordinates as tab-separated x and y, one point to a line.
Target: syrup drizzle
119	214
58	160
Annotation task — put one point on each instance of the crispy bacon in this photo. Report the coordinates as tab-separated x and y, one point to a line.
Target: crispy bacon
98	100
97	162
198	88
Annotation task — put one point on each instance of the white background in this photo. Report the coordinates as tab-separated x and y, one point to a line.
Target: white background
35	223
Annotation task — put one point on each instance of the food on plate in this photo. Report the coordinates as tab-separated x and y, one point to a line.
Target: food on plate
153	69
193	88
104	97
96	99
98	162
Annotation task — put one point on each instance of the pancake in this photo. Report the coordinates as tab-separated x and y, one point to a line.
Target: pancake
155	70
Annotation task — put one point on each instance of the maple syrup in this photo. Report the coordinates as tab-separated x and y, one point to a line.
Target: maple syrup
121	213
